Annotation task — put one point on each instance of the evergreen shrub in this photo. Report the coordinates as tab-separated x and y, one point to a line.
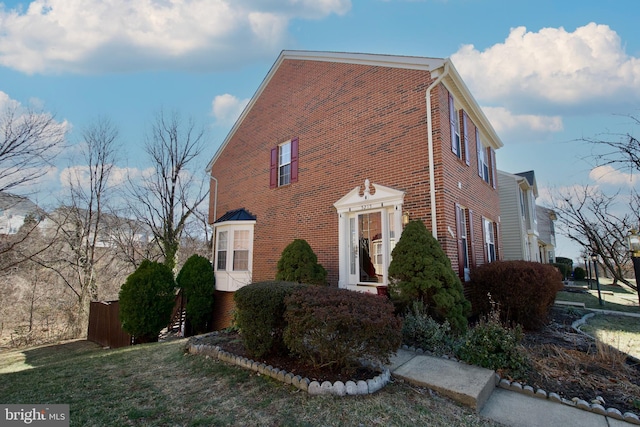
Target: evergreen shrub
147	299
259	315
338	327
197	280
524	290
579	273
298	263
420	270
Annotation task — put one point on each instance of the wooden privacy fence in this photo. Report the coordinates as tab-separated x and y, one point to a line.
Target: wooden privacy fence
104	325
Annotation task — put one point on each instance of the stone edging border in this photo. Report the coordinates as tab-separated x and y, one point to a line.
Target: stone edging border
312	387
503	383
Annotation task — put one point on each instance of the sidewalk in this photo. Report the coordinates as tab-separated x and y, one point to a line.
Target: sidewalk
476	387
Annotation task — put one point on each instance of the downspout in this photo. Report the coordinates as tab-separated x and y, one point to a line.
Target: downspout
432	173
215	208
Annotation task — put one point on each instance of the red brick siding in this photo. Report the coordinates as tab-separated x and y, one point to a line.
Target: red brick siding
353	122
223	305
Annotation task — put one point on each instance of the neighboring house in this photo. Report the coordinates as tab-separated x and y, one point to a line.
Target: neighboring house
13	211
342	150
114	231
518	216
546	234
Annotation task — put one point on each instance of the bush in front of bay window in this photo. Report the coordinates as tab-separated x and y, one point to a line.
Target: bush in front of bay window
298	263
259	316
340	328
524	290
421	271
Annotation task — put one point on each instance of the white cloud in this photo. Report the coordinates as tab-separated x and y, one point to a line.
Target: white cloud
523	126
609	175
53	36
78	176
552	67
227	108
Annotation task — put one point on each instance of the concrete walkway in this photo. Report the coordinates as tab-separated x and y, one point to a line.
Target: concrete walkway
476	387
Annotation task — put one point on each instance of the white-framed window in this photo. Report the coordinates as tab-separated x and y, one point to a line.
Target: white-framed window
489	240
454	119
483	161
234	246
241	246
284	163
221	253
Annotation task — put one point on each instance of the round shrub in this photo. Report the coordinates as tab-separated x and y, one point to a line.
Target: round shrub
523	290
422	331
147	299
339	328
259	315
420	270
492	345
579	273
298	263
197	280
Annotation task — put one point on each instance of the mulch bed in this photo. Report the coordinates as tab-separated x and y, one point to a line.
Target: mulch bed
564	362
231	342
571	364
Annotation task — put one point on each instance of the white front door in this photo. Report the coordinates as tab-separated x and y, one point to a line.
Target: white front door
368	221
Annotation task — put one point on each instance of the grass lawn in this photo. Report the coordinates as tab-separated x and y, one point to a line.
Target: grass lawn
621	332
614	298
159	385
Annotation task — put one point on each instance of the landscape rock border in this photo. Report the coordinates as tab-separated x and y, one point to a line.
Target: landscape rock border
350	388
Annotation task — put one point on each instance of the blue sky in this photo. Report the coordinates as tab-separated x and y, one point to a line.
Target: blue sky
547	73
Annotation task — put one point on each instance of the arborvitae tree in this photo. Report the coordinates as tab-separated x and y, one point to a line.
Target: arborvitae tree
298	263
197	280
420	270
147	299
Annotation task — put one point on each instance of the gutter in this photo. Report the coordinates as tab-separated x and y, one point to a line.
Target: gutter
432	173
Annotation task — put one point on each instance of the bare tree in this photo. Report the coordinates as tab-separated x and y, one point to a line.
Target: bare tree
167	199
80	224
621	150
594	221
29	141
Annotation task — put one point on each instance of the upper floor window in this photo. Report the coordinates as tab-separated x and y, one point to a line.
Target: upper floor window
454	121
486	162
284	164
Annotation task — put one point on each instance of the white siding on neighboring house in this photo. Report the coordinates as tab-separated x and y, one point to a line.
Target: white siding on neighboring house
518	216
547	234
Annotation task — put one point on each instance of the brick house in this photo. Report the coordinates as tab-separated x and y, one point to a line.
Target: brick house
338	149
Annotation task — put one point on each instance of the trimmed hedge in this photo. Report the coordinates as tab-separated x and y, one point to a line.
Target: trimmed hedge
197	280
298	263
523	290
331	326
259	315
146	301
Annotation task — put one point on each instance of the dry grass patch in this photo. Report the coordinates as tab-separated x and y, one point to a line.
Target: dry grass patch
159	385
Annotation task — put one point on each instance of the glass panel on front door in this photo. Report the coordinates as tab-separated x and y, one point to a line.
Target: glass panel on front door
370	247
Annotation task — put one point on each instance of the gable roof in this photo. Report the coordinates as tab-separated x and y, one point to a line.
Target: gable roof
236	215
437	67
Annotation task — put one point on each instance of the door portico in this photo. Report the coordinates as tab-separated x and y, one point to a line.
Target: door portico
370	224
